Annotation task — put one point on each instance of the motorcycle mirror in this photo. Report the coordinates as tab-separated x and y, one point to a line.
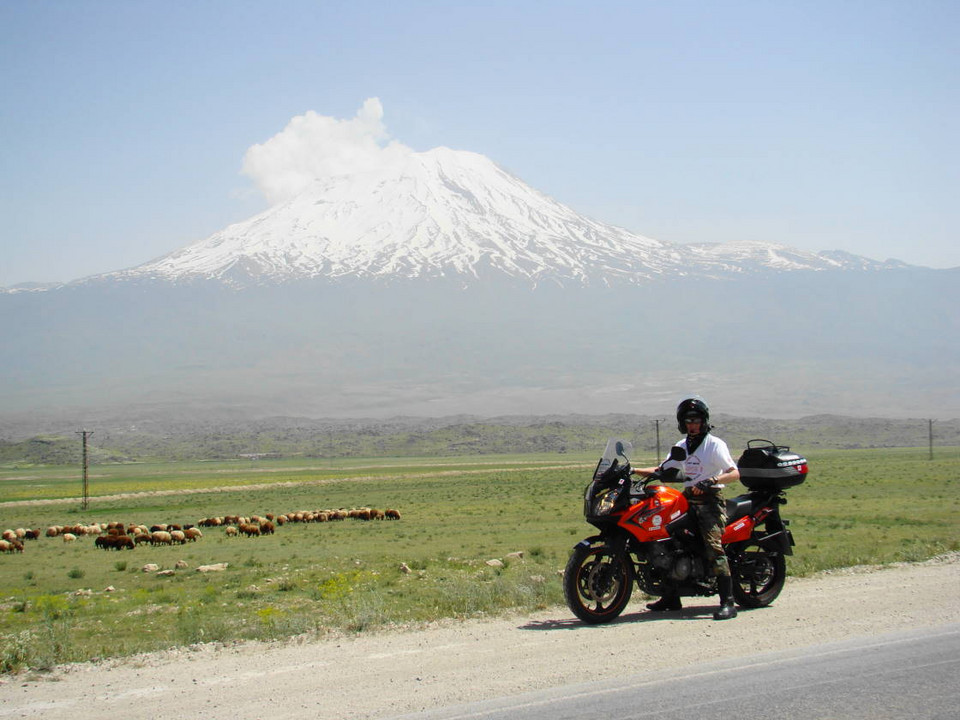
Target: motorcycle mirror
678	453
619	448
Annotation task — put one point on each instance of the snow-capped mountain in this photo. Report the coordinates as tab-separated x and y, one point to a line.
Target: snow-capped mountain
454	214
600	333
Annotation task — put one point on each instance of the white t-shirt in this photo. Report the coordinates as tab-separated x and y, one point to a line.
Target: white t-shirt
711	458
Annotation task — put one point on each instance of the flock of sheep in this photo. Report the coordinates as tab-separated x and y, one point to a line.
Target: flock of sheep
266	525
13	539
126	536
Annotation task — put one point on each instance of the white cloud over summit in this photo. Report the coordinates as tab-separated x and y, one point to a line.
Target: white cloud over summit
314	146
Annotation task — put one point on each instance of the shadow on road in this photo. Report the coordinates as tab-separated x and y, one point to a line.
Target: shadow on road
642	616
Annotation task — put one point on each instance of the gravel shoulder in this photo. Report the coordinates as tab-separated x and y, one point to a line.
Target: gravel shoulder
390	673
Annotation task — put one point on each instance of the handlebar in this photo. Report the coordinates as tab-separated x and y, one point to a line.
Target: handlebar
668	475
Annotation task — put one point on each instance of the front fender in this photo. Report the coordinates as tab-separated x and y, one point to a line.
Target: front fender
587	542
618	542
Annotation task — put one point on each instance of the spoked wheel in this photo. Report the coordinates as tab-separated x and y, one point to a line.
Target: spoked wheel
597	583
758	575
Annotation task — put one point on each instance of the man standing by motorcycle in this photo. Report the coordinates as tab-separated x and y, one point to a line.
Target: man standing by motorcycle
708	467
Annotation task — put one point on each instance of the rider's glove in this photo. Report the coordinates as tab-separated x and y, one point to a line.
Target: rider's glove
707	483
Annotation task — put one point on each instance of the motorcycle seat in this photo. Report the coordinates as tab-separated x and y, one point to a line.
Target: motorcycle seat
739	507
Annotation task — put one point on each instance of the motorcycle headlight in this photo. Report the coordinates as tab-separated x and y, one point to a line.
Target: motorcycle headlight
606	502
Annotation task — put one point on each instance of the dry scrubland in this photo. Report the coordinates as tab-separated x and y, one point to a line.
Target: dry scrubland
74	601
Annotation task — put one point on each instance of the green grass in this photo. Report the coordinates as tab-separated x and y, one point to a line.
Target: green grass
60	482
858	507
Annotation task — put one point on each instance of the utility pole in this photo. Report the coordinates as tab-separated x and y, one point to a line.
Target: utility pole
658	441
85	434
930	436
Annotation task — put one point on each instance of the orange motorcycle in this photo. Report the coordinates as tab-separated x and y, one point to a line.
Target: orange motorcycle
649	535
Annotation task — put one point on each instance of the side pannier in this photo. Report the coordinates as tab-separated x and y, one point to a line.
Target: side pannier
767	466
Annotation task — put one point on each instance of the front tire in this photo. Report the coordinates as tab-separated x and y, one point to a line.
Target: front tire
758	575
597	583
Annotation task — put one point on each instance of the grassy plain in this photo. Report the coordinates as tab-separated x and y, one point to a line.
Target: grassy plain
858	507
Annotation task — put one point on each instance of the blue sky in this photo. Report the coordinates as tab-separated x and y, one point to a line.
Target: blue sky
821	125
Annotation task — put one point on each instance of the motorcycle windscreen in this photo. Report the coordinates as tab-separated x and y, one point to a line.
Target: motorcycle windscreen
619	450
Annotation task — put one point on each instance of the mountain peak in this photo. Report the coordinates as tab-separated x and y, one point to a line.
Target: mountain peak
445	214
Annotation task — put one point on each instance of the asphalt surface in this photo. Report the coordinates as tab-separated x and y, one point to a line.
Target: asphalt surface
913	674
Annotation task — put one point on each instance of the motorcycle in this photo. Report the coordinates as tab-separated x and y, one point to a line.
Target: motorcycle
648	533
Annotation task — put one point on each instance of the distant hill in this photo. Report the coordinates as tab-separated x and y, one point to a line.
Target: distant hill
455	436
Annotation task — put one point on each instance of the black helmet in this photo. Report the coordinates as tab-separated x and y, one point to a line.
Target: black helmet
693	407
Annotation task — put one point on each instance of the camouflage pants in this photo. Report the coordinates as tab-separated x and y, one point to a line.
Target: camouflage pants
712	517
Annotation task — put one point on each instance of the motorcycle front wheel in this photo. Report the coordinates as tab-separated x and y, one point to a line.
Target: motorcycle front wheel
758	575
597	583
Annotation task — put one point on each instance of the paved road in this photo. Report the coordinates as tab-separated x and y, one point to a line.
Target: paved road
912	674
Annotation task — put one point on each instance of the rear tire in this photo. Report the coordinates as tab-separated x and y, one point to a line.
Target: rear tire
597	583
758	575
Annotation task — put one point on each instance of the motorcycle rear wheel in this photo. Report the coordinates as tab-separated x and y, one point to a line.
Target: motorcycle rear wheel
758	575
597	583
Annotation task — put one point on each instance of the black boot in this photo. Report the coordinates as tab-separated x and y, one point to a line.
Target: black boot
728	608
667	602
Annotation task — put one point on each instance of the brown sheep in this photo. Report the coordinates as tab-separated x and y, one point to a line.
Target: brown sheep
250	530
193	534
178	537
267	527
392	514
11	546
231	531
114	542
69	537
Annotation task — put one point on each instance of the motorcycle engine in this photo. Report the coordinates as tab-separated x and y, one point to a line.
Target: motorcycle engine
672	562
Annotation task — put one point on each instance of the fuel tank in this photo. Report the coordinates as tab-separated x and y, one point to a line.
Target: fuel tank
647	520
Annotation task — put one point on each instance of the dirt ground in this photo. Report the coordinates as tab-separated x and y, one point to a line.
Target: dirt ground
390	673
